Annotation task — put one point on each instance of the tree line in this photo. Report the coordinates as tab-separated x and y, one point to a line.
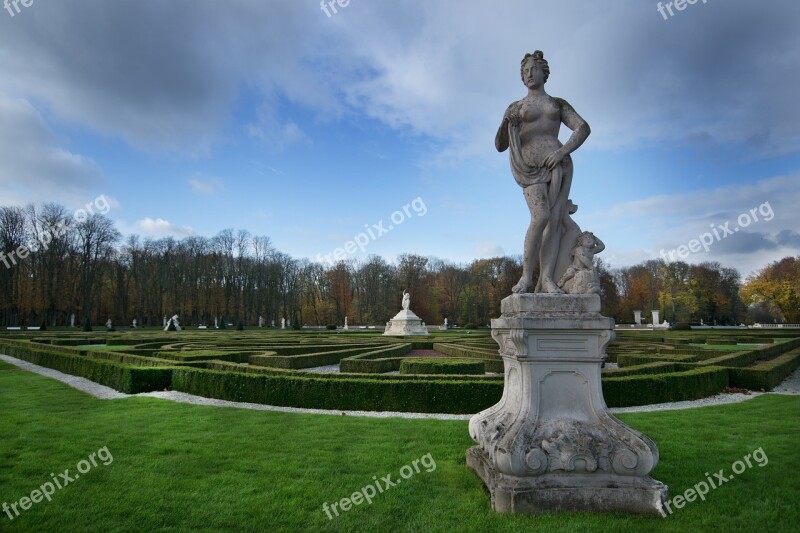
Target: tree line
53	266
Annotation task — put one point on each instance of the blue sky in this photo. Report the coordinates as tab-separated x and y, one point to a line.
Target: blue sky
270	116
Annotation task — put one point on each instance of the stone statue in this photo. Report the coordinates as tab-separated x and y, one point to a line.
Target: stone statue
542	166
581	277
172	324
406	300
134	324
109	324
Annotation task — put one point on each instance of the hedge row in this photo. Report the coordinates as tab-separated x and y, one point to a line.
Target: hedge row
206	355
659	367
377	361
739	340
745	358
129	359
626	360
124	378
232	367
341	394
491	358
306	360
660	388
765	375
442	365
429	396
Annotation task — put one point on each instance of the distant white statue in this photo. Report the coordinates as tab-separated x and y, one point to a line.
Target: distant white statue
345	323
406	300
260	321
164	322
109	325
134	324
173	322
72	320
283	323
216	323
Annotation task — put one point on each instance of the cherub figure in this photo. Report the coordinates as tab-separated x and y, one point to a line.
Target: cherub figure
580	277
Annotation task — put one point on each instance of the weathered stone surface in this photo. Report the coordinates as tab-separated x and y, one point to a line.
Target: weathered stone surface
551	429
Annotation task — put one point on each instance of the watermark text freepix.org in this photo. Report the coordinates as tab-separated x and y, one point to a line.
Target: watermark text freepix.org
368	492
98	205
718	233
701	489
375	231
48	488
12	6
679	5
329	6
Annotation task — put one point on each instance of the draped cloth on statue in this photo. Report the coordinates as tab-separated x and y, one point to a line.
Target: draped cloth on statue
527	174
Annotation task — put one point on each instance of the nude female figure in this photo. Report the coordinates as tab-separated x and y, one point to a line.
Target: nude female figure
542	166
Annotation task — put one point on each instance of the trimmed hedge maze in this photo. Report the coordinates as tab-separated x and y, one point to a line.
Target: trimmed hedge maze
448	372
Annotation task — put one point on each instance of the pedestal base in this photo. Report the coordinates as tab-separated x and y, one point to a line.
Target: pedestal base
567	493
406	324
550	444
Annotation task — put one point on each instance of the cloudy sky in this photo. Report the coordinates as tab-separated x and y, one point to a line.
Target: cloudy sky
312	127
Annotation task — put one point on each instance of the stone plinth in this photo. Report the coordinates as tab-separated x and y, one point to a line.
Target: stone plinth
550	444
405	323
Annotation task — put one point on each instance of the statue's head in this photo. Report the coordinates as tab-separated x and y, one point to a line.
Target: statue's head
535	60
586	239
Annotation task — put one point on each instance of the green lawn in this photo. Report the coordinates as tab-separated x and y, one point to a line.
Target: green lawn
180	467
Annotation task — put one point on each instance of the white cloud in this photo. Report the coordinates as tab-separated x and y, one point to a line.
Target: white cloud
640	230
162	228
487	250
202	185
35	167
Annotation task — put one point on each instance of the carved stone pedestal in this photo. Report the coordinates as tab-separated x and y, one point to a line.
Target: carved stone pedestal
550	444
404	324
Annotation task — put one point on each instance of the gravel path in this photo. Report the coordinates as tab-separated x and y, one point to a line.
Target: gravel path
789	386
323	369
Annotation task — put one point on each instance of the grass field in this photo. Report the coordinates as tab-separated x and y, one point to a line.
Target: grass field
181	467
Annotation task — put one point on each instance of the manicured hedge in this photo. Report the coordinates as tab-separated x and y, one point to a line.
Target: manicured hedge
661	388
124	378
306	360
745	358
263	370
128	359
490	357
626	360
442	365
206	355
767	374
659	367
376	362
341	394
722	341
